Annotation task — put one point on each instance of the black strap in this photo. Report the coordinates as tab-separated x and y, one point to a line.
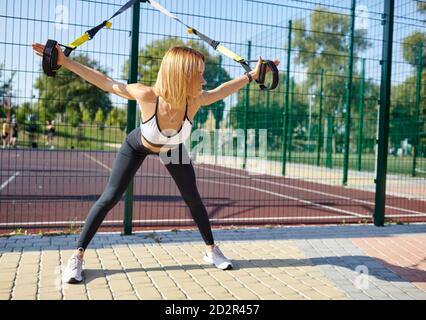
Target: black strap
50	53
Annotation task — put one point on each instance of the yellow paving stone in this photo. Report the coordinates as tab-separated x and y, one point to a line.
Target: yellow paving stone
312	282
247	279
293	297
127	297
258	288
52	291
8	277
24	297
199	296
140	280
206	280
284	290
313	295
300	287
50	296
75	297
328	291
174	294
116	276
233	284
100	295
190	288
152	294
4	295
27	281
120	286
286	279
244	295
97	286
164	282
74	290
6	285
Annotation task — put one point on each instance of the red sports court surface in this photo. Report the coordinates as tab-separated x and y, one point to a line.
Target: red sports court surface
56	188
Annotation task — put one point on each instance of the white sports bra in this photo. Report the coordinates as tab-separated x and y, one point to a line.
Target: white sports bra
152	132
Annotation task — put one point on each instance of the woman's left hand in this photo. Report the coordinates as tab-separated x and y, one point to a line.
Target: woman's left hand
256	71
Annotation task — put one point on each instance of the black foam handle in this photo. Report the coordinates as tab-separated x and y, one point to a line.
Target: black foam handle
50	58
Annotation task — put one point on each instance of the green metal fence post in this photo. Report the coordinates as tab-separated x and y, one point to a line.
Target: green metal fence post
349	97
219	80
417	112
361	116
320	118
384	103
286	98
246	107
290	126
131	111
329	147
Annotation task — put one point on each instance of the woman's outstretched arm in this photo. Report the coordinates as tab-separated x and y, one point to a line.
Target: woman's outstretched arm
230	87
95	77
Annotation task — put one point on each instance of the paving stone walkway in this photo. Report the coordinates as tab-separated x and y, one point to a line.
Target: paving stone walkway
328	262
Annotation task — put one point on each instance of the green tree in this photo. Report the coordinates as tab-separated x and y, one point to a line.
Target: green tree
117	118
149	64
410	47
325	45
403	95
73	116
6	91
100	119
69	91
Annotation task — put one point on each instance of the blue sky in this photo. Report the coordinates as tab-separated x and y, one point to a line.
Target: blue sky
232	22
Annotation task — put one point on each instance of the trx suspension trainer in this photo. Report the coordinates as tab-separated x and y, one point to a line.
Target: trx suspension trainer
50	53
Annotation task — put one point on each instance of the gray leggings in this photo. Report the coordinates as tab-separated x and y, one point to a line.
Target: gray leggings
129	158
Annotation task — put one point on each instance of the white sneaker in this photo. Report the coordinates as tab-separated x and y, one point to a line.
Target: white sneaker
218	259
73	273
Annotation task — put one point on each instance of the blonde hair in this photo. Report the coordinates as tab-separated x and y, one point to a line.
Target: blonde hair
178	74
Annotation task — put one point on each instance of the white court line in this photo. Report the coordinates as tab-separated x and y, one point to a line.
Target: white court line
415	213
9	180
287	197
261	190
97	161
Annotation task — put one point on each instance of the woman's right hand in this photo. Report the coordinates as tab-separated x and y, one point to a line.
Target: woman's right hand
39	48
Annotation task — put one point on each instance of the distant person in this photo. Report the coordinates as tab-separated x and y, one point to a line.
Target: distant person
32	130
5	134
404	145
50	134
14	136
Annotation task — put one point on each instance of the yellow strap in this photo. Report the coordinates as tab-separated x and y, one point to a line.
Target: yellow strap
229	53
79	41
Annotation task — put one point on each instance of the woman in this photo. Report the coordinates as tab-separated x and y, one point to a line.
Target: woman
171	103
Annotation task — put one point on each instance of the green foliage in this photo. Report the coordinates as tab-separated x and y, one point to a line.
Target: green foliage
100	119
69	91
410	47
73	116
325	44
117	118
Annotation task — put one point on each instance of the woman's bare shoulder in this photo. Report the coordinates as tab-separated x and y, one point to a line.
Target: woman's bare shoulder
140	91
